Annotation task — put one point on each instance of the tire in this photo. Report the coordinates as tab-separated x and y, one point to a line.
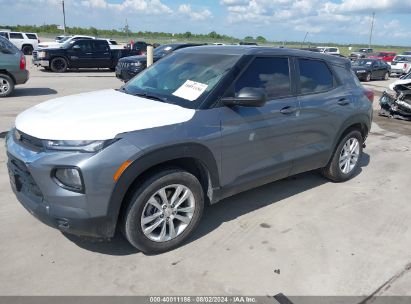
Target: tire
27	49
58	65
6	85
386	76
368	77
336	172
139	208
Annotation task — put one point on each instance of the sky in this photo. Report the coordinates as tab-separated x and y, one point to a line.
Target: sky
340	21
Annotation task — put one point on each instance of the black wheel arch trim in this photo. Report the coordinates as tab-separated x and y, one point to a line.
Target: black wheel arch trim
154	158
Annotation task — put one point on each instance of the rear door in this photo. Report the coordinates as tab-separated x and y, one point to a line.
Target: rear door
101	54
324	105
258	142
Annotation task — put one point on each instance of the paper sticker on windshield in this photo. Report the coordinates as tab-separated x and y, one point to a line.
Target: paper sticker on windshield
190	90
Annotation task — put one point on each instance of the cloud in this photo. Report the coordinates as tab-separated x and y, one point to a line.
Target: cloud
143	6
194	15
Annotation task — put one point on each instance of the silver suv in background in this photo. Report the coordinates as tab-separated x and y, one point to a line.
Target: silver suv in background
12	67
199	125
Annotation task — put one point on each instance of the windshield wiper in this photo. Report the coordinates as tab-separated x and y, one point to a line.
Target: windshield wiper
150	96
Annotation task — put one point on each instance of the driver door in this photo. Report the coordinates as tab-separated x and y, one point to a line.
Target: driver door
81	54
258	142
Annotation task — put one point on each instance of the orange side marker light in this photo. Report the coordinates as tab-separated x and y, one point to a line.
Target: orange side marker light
121	169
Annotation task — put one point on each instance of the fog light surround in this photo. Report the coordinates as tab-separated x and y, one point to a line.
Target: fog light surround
69	178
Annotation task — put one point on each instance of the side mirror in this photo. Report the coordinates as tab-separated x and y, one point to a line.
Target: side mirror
247	97
76	47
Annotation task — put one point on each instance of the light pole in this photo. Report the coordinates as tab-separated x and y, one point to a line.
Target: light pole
64	17
372	27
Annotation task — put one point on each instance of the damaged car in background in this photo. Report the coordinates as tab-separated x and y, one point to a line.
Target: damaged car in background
397	105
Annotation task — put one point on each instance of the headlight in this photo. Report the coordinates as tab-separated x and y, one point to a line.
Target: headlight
41	54
78	145
68	178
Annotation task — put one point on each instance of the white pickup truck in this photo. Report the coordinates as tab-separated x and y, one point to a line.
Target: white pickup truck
401	65
26	42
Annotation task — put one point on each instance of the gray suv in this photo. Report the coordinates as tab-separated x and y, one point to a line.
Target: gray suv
199	125
12	67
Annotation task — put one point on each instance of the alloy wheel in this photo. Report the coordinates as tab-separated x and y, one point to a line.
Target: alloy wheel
168	213
349	155
4	86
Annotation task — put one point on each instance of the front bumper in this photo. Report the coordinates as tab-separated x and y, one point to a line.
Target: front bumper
87	213
125	74
43	63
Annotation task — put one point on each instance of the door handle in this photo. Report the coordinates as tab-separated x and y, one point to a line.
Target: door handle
343	102
288	110
89	53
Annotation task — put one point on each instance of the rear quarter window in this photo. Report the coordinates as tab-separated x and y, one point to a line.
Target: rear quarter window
6	47
31	36
315	76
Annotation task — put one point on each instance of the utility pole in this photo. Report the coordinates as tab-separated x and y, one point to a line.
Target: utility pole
372	27
64	17
305	37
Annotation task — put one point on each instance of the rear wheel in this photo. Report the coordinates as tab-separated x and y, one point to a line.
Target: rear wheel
386	76
58	65
346	158
27	49
163	211
368	77
6	85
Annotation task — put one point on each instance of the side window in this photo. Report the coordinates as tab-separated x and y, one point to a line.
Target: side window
16	36
315	76
100	46
268	73
3	34
84	45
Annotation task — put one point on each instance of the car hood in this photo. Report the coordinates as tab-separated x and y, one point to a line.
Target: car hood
50	44
398	82
98	115
359	68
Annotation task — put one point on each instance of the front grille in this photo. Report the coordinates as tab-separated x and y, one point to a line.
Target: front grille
123	65
23	177
28	141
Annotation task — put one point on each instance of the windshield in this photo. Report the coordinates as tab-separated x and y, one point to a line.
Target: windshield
363	62
182	78
64	39
163	50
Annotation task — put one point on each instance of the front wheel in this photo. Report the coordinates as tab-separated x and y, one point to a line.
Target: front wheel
6	85
368	77
58	65
163	211
346	158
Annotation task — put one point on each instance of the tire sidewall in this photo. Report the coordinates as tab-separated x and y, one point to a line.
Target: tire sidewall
335	161
132	218
368	77
52	65
11	85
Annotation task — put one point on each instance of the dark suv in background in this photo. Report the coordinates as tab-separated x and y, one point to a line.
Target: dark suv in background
201	124
128	67
12	67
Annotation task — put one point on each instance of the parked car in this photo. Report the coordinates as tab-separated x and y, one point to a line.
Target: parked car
128	67
26	42
88	53
401	65
361	53
407	53
386	56
404	80
370	69
54	44
12	67
201	124
329	50
59	38
247	43
114	45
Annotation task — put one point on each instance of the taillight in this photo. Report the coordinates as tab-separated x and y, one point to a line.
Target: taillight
22	62
369	94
